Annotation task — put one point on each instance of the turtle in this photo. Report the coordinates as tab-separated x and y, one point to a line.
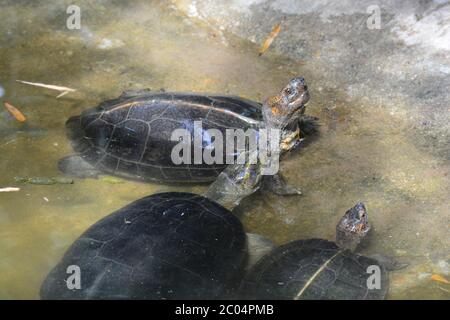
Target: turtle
131	136
322	269
169	245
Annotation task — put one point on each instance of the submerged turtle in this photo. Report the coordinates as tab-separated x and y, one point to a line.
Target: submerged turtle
165	246
185	246
131	136
321	269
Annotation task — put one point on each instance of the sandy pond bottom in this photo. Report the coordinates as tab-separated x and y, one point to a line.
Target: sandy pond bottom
362	152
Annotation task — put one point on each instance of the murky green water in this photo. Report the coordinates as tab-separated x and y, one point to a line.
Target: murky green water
362	152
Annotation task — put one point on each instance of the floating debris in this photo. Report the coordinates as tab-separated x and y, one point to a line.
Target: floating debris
423	275
106	43
64	90
9	189
16	113
275	31
444	266
63	180
44	180
439	278
8	142
62	94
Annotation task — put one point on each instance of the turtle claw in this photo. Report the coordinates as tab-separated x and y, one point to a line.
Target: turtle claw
286	190
277	185
390	263
296	191
399	265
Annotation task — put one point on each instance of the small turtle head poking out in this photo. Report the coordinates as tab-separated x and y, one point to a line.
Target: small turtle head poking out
295	94
352	227
288	105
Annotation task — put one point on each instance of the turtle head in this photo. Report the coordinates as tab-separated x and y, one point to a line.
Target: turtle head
352	227
287	106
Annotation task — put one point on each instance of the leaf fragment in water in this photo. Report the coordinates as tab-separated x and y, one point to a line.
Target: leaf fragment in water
16	113
439	278
275	31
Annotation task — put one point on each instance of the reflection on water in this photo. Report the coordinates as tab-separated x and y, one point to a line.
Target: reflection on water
362	152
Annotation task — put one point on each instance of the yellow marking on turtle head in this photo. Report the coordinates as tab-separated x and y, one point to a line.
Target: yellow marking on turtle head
274	102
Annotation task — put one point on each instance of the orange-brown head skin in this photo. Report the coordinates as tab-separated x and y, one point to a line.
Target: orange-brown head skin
287	106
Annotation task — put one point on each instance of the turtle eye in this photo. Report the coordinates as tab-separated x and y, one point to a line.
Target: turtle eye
361	214
288	91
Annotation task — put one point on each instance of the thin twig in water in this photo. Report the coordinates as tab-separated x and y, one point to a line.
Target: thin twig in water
9	189
62	94
64	90
6	143
445	290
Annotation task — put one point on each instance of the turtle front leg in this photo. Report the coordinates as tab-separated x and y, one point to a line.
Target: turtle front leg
308	125
76	166
278	185
390	263
235	183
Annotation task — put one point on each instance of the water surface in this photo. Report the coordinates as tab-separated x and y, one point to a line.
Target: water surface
362	152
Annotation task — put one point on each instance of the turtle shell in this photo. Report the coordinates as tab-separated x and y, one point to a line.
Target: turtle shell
131	136
165	246
312	269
